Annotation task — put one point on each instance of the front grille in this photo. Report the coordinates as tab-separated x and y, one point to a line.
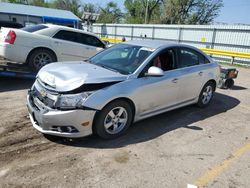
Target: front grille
42	94
45	100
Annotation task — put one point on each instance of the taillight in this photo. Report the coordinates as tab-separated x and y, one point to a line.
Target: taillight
11	37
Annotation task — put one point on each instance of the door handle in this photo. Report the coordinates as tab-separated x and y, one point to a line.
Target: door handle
201	73
56	42
175	80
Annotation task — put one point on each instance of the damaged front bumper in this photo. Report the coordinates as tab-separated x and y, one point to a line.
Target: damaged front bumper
68	123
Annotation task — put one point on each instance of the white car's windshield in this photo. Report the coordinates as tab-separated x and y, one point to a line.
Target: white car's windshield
122	58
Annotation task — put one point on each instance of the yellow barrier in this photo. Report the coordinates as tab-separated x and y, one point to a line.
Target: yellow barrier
111	40
226	53
206	50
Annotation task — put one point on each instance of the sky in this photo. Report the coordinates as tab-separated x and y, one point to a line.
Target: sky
233	12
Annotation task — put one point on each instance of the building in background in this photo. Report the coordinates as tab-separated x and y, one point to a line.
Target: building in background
31	15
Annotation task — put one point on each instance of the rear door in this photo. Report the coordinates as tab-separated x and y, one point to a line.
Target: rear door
69	46
92	44
191	73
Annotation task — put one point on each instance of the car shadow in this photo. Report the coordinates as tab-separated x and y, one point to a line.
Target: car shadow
154	127
235	87
12	84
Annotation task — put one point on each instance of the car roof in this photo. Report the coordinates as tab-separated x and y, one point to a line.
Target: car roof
157	44
68	29
151	43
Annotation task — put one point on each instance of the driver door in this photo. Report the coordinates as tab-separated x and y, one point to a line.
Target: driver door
157	94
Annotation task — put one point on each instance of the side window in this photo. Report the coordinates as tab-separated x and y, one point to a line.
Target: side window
203	59
67	35
165	60
206	61
188	57
90	40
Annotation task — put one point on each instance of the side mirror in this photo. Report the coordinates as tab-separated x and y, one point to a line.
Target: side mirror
154	71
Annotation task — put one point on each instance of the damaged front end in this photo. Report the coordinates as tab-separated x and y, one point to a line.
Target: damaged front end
67	100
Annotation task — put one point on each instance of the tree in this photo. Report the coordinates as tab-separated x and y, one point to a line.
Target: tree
191	11
71	5
40	3
142	11
110	14
90	7
16	1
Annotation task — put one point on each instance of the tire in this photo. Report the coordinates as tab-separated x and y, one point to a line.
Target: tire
206	95
109	123
40	57
229	83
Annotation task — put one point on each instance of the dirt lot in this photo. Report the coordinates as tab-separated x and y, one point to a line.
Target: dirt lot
207	147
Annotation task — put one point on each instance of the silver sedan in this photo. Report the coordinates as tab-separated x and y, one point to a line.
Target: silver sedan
123	84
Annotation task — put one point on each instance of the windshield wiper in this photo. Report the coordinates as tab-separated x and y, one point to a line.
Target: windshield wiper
106	67
88	60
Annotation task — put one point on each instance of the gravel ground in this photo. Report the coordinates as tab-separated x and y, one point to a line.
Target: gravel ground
169	150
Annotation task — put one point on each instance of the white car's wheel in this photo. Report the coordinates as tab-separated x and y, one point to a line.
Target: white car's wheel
40	58
113	120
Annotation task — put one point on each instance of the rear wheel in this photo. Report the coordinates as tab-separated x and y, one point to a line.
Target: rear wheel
40	57
229	83
113	120
206	94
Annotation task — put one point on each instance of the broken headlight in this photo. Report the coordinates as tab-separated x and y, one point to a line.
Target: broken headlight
72	101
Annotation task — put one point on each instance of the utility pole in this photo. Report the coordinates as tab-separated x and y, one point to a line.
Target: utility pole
146	13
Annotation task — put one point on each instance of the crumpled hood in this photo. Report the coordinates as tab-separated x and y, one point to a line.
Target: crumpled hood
67	76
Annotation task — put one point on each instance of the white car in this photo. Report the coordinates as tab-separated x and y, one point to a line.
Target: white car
45	43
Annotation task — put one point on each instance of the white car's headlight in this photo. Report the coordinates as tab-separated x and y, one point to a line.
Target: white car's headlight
72	101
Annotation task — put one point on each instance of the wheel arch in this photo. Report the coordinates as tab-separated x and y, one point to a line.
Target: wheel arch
129	101
213	82
40	47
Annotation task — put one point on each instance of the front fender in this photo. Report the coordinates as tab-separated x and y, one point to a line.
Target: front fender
102	97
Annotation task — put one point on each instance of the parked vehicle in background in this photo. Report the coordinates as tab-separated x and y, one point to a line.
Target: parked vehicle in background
45	43
10	24
123	84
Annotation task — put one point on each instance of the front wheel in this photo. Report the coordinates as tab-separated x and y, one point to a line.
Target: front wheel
113	120
206	95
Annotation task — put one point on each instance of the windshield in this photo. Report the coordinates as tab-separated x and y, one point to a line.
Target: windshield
34	28
122	58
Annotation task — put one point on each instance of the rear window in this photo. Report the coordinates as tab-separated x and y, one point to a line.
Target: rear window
34	28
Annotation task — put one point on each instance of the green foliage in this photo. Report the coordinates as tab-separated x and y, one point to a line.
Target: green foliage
110	14
141	11
71	5
191	11
40	3
89	7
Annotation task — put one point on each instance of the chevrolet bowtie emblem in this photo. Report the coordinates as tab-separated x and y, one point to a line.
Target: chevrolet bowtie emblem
43	93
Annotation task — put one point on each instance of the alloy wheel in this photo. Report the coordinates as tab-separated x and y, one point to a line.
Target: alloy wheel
207	94
115	120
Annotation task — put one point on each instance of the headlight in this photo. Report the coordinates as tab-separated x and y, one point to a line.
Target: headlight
72	101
